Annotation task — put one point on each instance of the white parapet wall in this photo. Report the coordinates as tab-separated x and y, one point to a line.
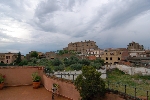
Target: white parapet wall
133	70
69	74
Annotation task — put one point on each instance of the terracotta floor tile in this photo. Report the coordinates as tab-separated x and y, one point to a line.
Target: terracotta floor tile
27	93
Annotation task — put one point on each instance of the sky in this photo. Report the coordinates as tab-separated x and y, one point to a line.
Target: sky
50	25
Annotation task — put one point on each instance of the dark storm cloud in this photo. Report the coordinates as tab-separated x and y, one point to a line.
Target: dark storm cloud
126	12
46	7
46	25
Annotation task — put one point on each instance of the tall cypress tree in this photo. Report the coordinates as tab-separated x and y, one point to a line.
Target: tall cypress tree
18	60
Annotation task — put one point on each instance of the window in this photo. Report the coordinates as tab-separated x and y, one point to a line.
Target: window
106	58
111	53
110	58
118	58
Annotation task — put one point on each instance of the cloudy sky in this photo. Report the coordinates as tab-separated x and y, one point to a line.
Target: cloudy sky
49	25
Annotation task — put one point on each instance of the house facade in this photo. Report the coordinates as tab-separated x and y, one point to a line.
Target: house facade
112	56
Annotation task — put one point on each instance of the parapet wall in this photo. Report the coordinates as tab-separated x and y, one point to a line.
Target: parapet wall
16	76
66	88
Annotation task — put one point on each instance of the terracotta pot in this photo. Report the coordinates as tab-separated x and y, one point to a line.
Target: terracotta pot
1	86
36	85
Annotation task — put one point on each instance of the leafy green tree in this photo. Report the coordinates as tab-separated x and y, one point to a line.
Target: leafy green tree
18	60
23	62
48	70
96	65
71	60
61	52
34	54
56	62
99	61
59	68
89	83
76	66
85	62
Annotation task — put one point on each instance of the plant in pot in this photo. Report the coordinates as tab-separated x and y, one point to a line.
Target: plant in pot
2	78
36	80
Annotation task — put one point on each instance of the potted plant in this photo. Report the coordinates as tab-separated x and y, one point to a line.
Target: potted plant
55	87
36	80
2	78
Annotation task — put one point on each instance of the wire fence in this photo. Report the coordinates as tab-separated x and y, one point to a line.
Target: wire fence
128	92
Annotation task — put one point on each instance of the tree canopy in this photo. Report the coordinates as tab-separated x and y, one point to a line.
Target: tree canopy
89	83
18	60
34	54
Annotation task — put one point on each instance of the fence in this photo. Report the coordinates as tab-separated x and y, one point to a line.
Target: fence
71	75
128	92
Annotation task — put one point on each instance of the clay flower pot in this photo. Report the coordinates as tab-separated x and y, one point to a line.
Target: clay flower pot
1	86
36	85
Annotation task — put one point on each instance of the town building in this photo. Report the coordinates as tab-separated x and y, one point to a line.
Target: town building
8	58
50	55
81	47
133	46
112	56
97	53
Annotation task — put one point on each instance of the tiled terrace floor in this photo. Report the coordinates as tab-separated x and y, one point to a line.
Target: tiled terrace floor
27	93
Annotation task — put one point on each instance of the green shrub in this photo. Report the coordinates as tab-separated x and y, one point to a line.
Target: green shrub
76	66
59	68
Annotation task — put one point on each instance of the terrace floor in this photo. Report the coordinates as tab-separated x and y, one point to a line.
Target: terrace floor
27	93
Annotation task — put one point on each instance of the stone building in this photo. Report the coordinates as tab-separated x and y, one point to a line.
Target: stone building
8	58
2	57
97	53
81	47
50	55
135	47
112	56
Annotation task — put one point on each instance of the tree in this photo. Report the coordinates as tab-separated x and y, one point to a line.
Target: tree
59	68
34	54
89	83
85	62
99	61
76	66
71	60
18	60
23	62
56	62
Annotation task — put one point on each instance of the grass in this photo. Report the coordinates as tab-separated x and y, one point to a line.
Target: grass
118	79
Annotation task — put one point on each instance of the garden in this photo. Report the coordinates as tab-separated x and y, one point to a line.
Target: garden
135	85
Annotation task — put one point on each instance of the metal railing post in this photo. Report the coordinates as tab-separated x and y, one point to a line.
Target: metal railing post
135	93
147	95
125	89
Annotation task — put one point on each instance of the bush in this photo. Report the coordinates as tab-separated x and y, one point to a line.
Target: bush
96	65
56	62
59	68
76	66
85	62
48	70
71	60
